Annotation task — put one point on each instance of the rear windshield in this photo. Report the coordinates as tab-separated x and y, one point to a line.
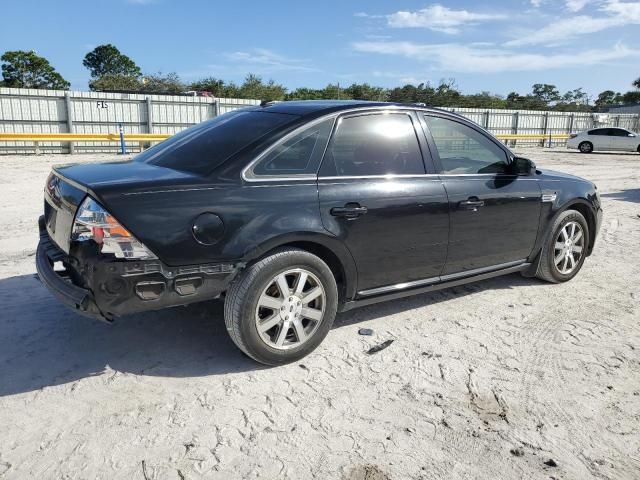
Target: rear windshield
205	146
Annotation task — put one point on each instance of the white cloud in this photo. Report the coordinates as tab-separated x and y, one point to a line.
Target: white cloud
618	15
576	5
565	29
571	5
398	77
267	61
628	11
367	15
456	57
439	18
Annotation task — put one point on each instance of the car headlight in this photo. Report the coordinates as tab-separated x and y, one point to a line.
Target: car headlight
93	222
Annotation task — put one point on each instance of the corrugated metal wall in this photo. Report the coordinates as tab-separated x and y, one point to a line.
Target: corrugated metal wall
57	111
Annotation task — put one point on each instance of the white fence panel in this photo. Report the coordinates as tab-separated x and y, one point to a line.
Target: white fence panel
534	122
58	111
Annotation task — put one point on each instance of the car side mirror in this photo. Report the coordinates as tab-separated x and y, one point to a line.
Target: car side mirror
523	166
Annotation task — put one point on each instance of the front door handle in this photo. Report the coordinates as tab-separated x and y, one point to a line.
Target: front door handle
472	203
350	211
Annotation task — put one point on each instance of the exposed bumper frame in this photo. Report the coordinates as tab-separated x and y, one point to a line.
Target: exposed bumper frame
105	288
59	283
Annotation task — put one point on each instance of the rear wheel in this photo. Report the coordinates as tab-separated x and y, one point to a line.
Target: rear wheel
565	248
585	147
282	307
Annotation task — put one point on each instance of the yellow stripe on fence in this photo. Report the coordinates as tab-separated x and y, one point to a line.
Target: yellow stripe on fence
146	138
514	136
81	137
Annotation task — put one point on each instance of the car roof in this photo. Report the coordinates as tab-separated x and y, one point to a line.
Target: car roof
316	107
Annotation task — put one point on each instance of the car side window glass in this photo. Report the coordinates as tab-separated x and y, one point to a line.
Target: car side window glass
599	131
618	132
298	155
374	144
464	150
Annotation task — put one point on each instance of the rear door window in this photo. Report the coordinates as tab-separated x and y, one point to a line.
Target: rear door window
599	131
205	146
372	145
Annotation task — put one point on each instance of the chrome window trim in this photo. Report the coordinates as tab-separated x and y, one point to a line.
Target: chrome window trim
334	115
290	178
246	173
475	174
381	177
362	109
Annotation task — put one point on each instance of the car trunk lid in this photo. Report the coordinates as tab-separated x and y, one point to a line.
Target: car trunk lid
68	185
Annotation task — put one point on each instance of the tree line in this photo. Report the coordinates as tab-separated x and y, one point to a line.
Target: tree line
111	70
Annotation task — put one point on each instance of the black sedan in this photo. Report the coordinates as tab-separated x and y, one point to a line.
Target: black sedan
293	211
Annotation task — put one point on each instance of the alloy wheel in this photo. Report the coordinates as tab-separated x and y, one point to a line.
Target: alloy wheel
290	309
568	248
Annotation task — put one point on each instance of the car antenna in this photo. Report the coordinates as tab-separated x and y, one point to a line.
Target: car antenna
268	103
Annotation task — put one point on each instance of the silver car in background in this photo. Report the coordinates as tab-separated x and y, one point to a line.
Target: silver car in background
609	138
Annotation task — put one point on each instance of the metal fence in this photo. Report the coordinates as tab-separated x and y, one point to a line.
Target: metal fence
534	122
57	111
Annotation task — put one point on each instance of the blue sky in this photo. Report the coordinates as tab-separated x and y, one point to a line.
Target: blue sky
496	45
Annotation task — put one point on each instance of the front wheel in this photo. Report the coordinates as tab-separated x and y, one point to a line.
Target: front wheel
282	307
565	248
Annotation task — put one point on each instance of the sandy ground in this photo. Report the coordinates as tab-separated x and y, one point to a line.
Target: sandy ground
485	381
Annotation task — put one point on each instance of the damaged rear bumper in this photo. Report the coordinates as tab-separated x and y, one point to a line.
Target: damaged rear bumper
60	284
105	288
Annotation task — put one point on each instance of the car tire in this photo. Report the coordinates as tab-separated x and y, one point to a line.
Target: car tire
555	265
585	147
255	301
638	149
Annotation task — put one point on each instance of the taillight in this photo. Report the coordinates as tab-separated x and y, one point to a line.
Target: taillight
573	135
93	222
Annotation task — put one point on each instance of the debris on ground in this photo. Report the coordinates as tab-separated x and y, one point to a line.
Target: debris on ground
189	446
431	355
551	463
144	470
365	331
517	452
380	347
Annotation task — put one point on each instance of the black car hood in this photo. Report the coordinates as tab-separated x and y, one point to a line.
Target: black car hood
130	176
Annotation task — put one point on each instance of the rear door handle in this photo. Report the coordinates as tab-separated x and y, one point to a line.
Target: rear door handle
471	204
350	211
